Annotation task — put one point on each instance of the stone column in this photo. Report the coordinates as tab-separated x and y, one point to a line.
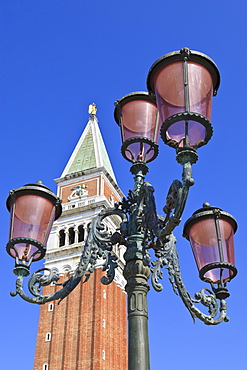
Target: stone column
66	231
76	234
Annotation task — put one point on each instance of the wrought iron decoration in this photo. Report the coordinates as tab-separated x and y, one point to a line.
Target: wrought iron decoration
139	219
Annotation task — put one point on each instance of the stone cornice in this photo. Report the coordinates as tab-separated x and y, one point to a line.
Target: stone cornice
83	209
54	254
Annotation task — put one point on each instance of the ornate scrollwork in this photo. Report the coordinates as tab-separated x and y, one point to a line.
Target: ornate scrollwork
173	197
176	199
147	208
168	257
37	280
109	266
161	252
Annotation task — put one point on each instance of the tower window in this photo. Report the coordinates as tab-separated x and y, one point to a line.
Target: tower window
50	307
104	294
103	355
48	337
71	235
104	323
45	367
80	234
61	238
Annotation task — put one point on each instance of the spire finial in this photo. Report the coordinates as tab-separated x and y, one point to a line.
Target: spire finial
92	109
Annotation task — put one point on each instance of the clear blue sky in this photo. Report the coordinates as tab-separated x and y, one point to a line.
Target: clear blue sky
59	56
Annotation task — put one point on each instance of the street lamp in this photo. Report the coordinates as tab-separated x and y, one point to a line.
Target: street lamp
183	84
210	231
33	209
137	116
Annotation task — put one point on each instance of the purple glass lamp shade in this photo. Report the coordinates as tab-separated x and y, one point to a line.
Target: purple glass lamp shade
136	114
211	234
33	209
184	83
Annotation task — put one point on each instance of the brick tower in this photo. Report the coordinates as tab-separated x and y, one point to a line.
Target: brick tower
88	329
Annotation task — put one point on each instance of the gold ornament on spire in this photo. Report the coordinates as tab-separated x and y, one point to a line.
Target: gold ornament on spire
92	109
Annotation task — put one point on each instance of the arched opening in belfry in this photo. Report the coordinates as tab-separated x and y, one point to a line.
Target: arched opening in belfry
61	238
80	233
71	235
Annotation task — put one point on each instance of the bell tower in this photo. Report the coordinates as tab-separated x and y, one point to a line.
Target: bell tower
88	329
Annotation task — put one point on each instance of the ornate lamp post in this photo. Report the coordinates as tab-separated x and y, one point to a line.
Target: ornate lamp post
183	84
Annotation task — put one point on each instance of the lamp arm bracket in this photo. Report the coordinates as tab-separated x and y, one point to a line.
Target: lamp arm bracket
176	200
98	245
168	256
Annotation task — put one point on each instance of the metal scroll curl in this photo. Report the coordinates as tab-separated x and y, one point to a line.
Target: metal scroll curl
105	240
168	257
176	200
161	253
38	280
109	266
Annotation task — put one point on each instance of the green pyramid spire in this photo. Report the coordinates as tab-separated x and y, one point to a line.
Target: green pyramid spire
90	151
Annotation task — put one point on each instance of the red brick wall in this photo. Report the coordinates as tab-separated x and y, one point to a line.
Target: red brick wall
108	192
78	335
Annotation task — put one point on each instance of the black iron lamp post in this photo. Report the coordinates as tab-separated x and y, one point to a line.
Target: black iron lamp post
183	84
